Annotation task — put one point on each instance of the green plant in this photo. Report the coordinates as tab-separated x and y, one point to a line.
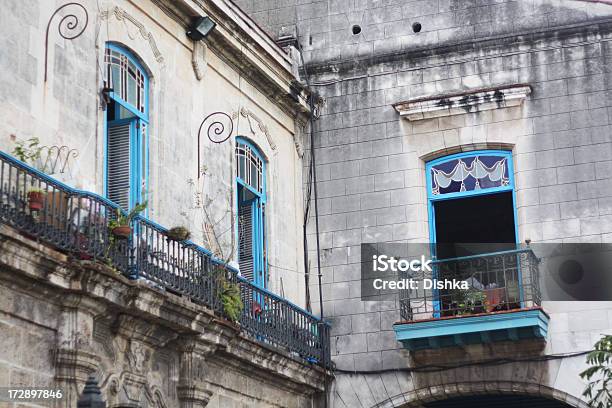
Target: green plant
599	390
472	301
36	190
230	298
126	219
27	150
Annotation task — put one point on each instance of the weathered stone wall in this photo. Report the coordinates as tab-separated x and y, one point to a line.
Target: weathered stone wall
63	320
371	164
67	110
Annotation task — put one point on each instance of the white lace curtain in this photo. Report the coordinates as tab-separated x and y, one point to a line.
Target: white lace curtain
478	170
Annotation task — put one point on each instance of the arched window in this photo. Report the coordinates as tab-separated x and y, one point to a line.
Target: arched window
249	168
472	214
126	126
471	201
251	202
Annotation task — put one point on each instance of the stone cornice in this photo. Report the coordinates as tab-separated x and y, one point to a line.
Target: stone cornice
476	100
144	313
240	42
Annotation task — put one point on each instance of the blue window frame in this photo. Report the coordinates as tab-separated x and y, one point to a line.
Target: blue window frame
251	205
126	128
467	175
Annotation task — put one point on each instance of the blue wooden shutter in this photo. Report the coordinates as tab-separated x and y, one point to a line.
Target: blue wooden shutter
118	164
245	240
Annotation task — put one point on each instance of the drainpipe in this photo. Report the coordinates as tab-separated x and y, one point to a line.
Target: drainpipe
316	209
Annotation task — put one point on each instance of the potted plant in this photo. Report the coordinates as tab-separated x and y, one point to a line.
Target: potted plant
121	227
473	302
178	234
36	199
231	301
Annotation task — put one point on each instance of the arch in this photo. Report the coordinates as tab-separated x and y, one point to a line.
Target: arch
418	397
250	157
123	67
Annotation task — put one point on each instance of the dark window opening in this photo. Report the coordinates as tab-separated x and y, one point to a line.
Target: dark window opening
497	401
485	219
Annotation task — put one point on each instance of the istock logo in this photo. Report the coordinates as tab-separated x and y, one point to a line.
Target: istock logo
384	263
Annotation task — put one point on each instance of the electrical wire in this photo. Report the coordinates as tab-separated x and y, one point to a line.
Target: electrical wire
443	367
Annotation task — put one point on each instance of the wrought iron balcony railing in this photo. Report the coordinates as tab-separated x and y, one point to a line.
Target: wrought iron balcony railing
500	281
78	222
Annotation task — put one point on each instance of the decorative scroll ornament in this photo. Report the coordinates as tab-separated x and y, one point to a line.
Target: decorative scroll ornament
68	27
122	15
54	159
219	127
490	176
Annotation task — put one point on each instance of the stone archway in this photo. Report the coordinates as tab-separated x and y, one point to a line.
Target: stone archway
502	400
454	395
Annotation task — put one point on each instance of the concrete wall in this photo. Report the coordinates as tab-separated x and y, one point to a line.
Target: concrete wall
370	164
67	110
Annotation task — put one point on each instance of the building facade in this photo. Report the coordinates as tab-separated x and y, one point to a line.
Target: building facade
455	121
187	107
434	122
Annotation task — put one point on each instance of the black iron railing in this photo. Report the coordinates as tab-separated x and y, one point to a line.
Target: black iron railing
78	222
499	281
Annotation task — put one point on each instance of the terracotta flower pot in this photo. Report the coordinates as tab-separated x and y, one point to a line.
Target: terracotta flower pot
36	200
122	231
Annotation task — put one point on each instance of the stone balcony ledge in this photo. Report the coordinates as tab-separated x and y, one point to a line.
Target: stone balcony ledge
102	310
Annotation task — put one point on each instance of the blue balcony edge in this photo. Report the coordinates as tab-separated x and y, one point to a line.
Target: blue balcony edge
475	329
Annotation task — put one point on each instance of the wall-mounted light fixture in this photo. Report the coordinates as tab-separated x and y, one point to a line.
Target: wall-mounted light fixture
200	28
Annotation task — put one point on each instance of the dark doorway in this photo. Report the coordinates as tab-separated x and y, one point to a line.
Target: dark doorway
497	401
487	220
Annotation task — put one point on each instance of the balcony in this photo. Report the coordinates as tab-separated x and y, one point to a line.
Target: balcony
77	222
502	303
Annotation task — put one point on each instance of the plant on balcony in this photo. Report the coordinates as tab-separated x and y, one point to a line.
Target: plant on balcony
120	227
231	300
472	302
28	151
36	199
599	390
178	234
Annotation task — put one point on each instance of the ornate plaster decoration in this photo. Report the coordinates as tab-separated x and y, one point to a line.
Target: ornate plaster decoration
122	15
466	102
250	116
298	136
198	59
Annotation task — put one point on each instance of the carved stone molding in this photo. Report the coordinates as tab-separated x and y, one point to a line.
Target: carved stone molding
250	116
140	340
198	59
298	138
191	391
122	15
466	102
129	389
